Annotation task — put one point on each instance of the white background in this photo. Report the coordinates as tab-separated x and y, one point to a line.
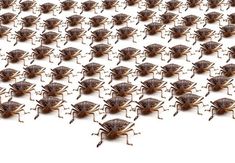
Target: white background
187	137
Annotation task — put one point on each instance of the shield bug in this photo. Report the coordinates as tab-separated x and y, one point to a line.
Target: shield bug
7	3
41	52
33	71
179	50
49	37
231	53
221	106
8	17
212	17
145	69
188	101
153	50
218	83
21	88
127	54
152	3
179	31
153	28
100	50
115	105
74	20
2	91
68	54
24	35
61	72
214	4
47	7
115	128
203	34
145	15
173	4
54	89
89	86
29	21
210	48
5	31
168	17
125	33
190	20
120	19
100	35
123	89
231	18
83	109
231	3
170	70
227	31
132	3
202	66
193	4
148	106
97	21
228	70
181	87
91	69
15	56
67	5
10	108
9	74
119	72
88	6
27	5
74	34
109	4
48	104
152	86
52	23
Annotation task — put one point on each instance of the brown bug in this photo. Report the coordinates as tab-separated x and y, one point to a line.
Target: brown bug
5	31
153	3
74	34
212	17
227	31
145	69
115	105
152	86
83	109
100	35
91	69
115	128
181	87
231	3
145	15
127	54
89	5
30	20
126	32
61	72
2	91
153	28
21	88
231	18
168	17
8	17
89	86
188	101
109	4
97	21
10	108
173	4
203	34
54	89
221	106
179	31
132	3
214	4
99	50
24	35
123	89
7	3
52	23
231	53
179	50
48	104
15	56
193	4
217	83
153	50
170	70
33	71
148	106
9	74
27	5
49	37
46	8
74	20
120	19
67	5
202	66
190	20
41	52
68	54
228	70
119	72
209	48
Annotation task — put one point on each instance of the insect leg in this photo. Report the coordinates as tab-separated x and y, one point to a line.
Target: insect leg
133	39
162	94
19	118
127	113
111	79
100	94
69	81
212	114
229	57
172	93
177	109
30	96
101	129
66	39
93	114
58	112
170	38
232	112
92	56
137	114
221	35
146	33
37	115
79	93
73	115
170	55
198	110
117	39
127	139
228	91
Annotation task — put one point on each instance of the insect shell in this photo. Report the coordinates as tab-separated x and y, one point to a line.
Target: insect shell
193	4
15	56
148	106
132	3
115	105
231	53
227	31
209	48
24	35
74	34
67	5
49	37
109	4
88	6
83	109
47	8
115	128
145	15
27	5
145	69
8	18
100	35
120	19
170	70
61	72
168	17
33	71
99	50
153	50
221	106
231	3
5	31
68	54
153	28
30	20
179	31
179	50
218	83
125	33
74	20
7	3
212	17
152	3
173	4
214	4
97	21
119	72
41	52
123	89
202	66
54	89
91	69
228	70
127	54
9	74
190	20
203	34
52	23
231	18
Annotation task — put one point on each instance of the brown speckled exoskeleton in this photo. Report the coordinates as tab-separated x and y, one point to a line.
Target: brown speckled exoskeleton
203	34
100	35
227	70
231	18
9	74
115	128
92	69
154	28
127	54
115	105
153	3
190	20
15	56
8	17
5	31
89	86
120	19
231	53
24	35
29	21
125	33
218	83
173	4
170	70
83	109
67	5
68	54
179	31
227	31
193	4
145	69
33	71
50	37
97	21
214	4
109	4
210	47
179	50
123	89
132	3
54	89
152	86
74	20
153	50
148	106
201	67
74	34
41	52
61	72
212	17
47	105
7	3
47	7
52	23
222	106
145	15
188	101
88	6
119	72
100	50
27	5
168	17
